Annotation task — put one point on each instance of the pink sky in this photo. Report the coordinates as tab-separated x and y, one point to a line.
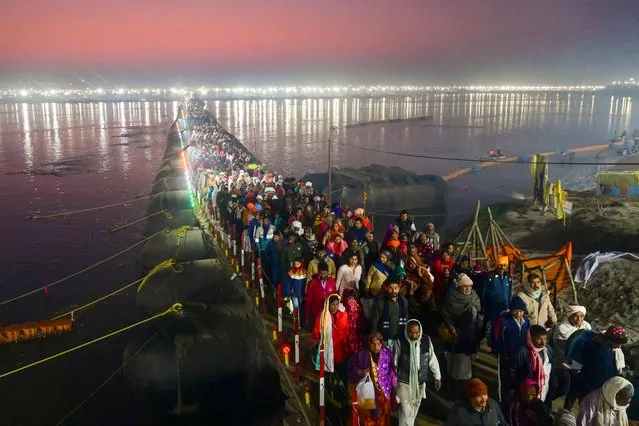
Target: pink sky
252	33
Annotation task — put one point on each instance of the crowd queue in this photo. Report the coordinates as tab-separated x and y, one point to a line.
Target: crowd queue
385	310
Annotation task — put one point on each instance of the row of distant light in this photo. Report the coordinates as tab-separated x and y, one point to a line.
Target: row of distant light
273	90
629	82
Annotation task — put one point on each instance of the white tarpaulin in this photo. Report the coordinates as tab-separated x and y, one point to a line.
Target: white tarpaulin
590	263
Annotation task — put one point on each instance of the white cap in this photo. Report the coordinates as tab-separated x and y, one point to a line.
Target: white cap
297	227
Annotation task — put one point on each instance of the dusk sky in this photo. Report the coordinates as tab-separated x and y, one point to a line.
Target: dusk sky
319	41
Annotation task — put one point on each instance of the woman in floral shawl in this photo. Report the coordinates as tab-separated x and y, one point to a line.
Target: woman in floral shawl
376	361
356	320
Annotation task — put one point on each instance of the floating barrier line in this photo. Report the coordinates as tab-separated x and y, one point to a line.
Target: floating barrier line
92	208
515	160
168	216
113	293
413	215
108	379
29	293
177	307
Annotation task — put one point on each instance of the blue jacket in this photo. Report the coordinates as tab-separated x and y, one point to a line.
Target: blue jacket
508	337
275	266
496	295
599	365
294	284
356	234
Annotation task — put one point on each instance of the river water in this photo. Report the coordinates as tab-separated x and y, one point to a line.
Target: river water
57	157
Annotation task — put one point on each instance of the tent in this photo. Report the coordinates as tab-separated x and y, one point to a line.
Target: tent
555	270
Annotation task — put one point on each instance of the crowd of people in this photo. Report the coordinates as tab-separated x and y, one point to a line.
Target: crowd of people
388	311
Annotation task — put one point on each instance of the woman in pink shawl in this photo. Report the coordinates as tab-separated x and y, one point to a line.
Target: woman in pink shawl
356	320
377	362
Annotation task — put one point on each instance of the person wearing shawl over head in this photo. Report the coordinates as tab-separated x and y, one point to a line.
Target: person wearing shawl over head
460	310
607	406
416	360
534	361
331	329
566	373
525	408
356	319
379	271
418	274
376	361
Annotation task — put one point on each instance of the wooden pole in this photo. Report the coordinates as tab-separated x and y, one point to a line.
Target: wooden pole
472	227
572	281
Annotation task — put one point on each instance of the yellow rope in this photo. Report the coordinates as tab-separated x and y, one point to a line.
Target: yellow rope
181	233
92	209
108	379
175	308
171	263
29	293
113	293
168	217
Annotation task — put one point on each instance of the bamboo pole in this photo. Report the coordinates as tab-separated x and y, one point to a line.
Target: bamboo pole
572	281
472	227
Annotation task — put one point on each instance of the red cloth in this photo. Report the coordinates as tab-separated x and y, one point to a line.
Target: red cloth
438	270
341	352
336	249
316	296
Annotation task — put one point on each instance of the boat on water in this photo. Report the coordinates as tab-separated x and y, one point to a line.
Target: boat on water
493	155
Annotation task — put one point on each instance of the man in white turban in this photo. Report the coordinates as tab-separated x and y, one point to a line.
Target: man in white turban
567	374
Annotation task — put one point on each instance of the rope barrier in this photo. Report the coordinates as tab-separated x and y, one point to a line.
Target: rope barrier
477	160
92	208
113	293
177	307
75	274
108	379
170	263
168	217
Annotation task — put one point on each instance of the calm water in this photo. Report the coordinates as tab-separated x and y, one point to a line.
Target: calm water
56	157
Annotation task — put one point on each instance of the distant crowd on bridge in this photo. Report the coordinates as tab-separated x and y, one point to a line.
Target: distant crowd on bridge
399	311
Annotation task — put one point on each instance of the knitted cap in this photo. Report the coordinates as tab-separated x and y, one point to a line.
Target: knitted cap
463	279
517	303
475	387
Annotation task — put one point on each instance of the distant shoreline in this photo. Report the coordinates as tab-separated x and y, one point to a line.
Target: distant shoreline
614	91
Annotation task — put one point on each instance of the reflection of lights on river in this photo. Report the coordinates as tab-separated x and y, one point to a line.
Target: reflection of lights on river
26	128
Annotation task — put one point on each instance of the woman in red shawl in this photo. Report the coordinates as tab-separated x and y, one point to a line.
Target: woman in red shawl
335	230
356	320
